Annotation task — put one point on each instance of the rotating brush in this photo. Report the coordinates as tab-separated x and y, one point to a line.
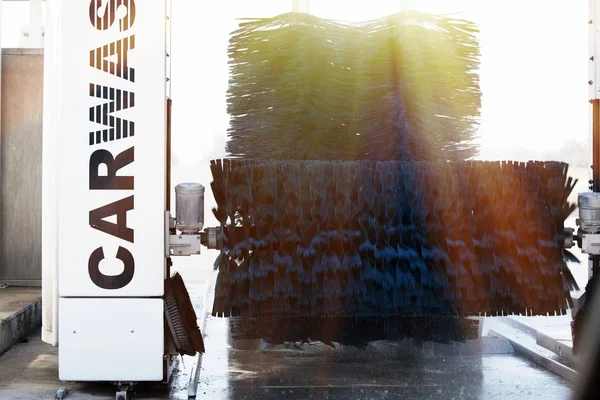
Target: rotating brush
485	240
342	219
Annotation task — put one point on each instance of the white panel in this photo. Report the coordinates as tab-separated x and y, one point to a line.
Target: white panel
111	340
144	35
49	175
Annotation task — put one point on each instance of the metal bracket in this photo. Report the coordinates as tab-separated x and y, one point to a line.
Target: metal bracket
569	234
122	395
125	390
181	244
211	238
590	243
184	245
167	233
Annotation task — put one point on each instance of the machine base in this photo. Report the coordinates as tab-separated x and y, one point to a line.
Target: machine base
111	339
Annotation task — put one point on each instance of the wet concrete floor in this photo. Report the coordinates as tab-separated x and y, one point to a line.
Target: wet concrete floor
486	369
478	370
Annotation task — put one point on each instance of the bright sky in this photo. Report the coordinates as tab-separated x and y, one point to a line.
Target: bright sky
533	67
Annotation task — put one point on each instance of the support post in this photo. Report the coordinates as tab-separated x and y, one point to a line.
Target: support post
50	129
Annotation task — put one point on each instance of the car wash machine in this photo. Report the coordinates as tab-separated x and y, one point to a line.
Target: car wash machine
304	241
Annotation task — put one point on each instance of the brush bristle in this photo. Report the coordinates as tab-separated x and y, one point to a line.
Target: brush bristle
466	238
403	87
354	332
181	317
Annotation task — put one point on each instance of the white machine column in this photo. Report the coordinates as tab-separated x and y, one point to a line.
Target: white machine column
111	157
50	130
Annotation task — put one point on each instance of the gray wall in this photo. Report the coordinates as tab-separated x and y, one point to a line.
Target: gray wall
21	167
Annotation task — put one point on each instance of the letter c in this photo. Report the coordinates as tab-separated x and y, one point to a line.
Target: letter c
111	282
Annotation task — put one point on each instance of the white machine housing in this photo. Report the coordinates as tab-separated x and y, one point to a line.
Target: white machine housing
109	143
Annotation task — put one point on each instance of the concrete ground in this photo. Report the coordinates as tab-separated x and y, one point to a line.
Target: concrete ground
14	298
489	370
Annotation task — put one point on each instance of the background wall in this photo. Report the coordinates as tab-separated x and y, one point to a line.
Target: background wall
21	167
